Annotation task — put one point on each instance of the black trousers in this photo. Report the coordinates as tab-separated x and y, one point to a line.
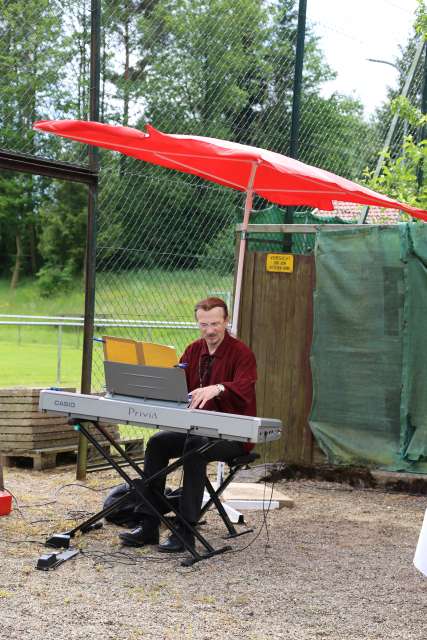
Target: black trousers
165	445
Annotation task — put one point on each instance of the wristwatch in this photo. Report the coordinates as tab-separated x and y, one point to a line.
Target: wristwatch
220	388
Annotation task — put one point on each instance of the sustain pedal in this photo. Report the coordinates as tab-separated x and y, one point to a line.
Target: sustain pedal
52	560
59	541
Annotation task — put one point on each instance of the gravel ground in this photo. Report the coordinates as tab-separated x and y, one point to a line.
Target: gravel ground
338	566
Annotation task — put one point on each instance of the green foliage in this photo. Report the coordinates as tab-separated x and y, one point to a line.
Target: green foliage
219	253
63	226
403	176
25	300
62	234
409	112
421	19
339	152
222	68
35	47
53	280
400	176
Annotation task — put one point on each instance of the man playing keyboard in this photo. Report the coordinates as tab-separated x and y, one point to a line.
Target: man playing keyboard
221	374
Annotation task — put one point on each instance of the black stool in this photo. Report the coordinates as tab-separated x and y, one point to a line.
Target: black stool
235	465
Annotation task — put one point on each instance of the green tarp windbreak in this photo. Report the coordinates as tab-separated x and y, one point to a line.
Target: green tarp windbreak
369	352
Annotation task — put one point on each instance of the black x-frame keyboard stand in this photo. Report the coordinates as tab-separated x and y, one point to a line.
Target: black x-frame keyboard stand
62	540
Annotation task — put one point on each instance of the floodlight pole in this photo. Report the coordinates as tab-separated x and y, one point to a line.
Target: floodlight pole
242	248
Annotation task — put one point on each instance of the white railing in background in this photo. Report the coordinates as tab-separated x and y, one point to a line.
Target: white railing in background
78	321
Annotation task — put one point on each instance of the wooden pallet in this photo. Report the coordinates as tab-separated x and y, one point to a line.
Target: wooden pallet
133	447
48	458
26	432
42	458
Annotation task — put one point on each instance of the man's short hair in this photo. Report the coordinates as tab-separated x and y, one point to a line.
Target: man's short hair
210	303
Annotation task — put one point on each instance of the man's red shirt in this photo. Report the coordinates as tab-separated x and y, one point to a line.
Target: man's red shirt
232	364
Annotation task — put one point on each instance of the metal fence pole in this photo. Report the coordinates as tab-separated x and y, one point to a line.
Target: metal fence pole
91	228
296	107
59	356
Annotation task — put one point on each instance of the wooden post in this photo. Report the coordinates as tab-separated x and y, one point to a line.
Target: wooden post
242	249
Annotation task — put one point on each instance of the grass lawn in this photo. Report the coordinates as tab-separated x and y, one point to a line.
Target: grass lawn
26	300
29	353
150	294
36	365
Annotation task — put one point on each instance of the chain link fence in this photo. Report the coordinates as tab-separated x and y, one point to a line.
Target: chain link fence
220	68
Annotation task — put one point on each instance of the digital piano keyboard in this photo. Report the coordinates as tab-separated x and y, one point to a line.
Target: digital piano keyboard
169	416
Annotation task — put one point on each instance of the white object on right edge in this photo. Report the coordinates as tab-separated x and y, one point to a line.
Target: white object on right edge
420	558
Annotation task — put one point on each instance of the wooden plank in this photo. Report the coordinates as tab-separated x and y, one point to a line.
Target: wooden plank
252	491
307	439
25	392
28	415
51	428
15	403
297	361
271	319
30	422
278	327
282	289
246	305
306	228
33	437
272	324
41	443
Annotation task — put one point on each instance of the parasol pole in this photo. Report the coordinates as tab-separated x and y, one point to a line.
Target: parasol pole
242	248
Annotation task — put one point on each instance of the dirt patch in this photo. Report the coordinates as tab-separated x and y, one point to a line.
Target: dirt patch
359	477
338	565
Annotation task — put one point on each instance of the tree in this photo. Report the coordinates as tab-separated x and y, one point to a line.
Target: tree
222	68
334	135
403	177
403	173
30	84
62	236
403	63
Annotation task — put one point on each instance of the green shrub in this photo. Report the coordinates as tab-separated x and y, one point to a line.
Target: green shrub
219	252
54	280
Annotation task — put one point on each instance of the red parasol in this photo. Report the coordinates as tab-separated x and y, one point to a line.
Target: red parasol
271	175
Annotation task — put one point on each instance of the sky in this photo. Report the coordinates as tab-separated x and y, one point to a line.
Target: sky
352	31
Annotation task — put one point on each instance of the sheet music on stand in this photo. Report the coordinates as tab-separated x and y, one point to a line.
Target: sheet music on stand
129	351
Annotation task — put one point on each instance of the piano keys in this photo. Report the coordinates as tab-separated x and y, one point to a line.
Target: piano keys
171	416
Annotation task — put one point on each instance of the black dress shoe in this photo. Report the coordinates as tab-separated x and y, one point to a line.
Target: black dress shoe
174	545
139	537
